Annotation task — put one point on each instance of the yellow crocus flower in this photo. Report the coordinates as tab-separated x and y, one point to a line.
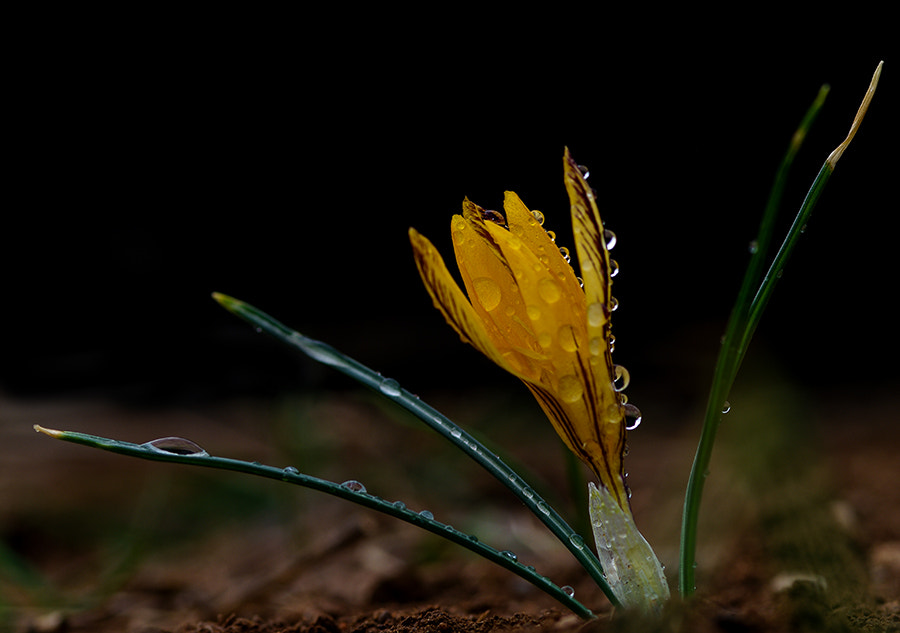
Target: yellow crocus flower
528	312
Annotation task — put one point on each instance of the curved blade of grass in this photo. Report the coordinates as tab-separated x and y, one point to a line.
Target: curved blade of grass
432	417
358	496
745	317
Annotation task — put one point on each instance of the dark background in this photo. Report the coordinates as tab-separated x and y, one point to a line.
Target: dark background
281	159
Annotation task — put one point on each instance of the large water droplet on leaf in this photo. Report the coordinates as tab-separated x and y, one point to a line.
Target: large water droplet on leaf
355	486
390	387
176	446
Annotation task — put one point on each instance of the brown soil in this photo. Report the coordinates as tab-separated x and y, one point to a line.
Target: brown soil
801	528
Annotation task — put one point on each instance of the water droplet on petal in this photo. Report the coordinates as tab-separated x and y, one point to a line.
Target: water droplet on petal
488	292
610	238
570	388
621	378
565	253
568	590
175	446
390	387
538	216
510	555
634	414
353	485
585	172
493	216
549	290
613	304
566	337
613	268
596	314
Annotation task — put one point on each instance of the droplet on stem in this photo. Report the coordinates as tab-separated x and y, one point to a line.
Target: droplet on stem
353	485
176	446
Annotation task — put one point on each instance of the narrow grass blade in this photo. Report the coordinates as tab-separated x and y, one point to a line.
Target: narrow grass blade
181	451
389	388
745	318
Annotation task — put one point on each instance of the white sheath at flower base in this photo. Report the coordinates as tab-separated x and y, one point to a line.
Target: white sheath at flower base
632	569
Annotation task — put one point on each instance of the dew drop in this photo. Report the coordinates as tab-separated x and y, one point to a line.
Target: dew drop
510	555
354	486
390	387
549	290
726	407
426	514
290	470
570	388
634	413
176	446
552	236
622	378
613	304
533	312
493	216
566	337
613	268
585	172
610	238
538	216
399	505
576	541
543	507
488	292
565	254
753	247
568	590
596	314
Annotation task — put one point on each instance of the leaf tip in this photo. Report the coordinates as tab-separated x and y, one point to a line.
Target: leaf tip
227	302
50	432
835	156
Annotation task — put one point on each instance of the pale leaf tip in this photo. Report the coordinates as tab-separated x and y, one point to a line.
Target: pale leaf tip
857	120
46	431
227	302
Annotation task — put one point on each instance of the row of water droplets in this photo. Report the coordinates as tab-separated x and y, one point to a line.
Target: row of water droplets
621	376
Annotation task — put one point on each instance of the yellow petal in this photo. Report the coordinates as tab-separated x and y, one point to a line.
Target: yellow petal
492	289
449	299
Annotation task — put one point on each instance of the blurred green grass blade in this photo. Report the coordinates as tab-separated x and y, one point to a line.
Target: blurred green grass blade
752	299
175	450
